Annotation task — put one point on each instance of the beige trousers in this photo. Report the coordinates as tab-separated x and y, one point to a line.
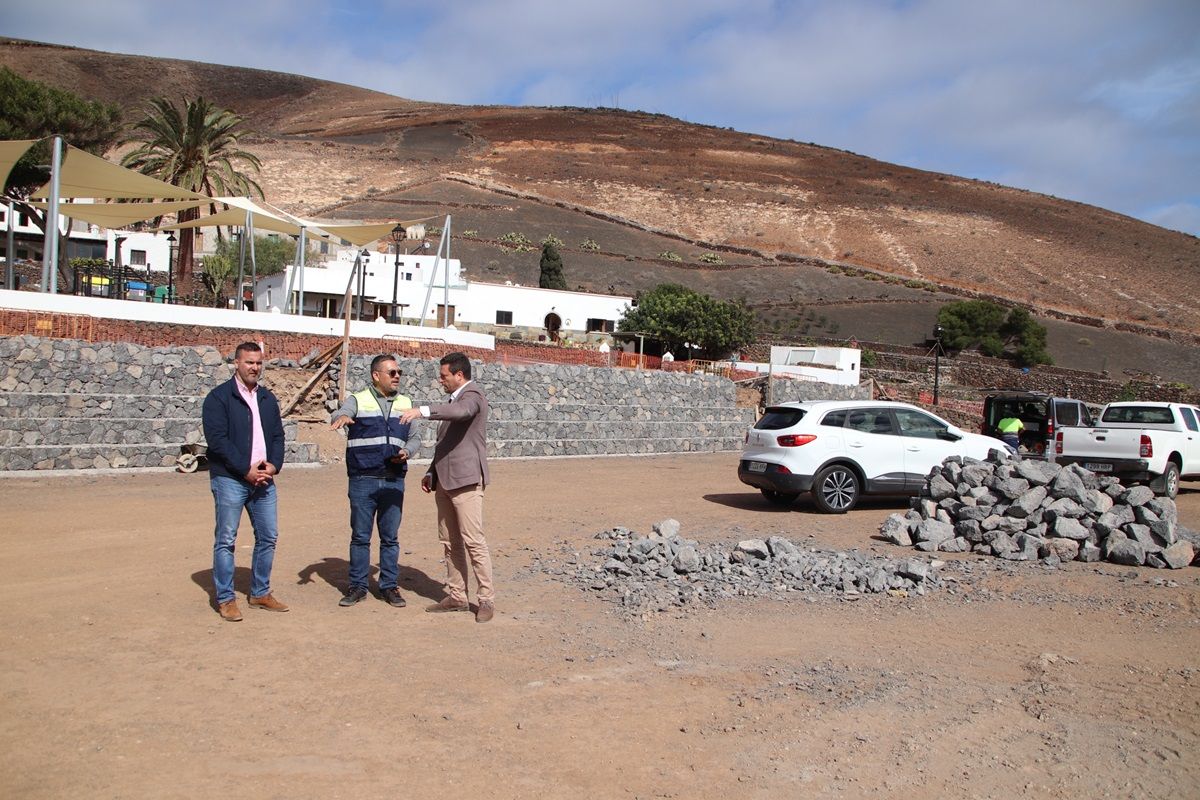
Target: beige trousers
460	529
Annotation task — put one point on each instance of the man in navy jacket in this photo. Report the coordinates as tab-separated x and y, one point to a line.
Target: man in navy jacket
244	432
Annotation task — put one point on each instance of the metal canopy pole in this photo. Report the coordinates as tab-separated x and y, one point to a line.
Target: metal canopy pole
303	252
297	267
446	293
10	274
443	242
253	264
342	375
50	243
242	262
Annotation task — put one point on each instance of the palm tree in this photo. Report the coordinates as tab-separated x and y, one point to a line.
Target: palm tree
194	148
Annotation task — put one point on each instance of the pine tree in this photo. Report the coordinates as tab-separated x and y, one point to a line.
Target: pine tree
551	276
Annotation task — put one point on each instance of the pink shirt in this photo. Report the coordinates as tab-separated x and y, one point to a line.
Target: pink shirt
258	442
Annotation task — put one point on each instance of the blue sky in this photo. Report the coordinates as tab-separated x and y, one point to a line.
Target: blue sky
1090	100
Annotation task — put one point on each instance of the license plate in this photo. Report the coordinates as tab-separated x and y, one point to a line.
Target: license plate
1096	467
757	466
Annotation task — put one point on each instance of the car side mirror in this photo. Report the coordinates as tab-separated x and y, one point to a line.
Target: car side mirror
949	435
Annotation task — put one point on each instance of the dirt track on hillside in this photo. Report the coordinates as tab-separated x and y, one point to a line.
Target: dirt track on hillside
119	679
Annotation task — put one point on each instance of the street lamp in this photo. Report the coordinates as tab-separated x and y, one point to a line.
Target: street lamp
171	256
937	360
397	239
118	268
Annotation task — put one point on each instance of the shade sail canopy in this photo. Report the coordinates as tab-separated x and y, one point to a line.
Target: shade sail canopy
10	154
357	233
236	217
116	215
86	175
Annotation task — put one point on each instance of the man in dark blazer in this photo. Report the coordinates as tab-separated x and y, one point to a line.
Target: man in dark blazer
457	476
244	433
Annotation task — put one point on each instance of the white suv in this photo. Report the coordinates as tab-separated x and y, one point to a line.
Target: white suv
841	450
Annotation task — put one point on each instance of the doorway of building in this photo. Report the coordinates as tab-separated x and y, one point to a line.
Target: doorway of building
553	325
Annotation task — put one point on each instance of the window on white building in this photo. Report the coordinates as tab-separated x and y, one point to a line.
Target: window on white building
504	317
137	258
601	326
408	276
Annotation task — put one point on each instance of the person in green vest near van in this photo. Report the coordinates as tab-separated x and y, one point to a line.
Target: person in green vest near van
377	455
1010	431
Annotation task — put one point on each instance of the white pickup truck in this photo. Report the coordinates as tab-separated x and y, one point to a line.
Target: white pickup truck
1154	443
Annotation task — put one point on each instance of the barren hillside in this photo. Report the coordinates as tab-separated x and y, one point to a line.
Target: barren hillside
795	226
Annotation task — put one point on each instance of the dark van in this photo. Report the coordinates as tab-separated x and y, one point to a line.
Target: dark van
1041	414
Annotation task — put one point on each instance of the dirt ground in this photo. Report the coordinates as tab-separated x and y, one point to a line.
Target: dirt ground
120	680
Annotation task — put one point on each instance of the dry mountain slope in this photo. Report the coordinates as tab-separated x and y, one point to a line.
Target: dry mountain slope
765	205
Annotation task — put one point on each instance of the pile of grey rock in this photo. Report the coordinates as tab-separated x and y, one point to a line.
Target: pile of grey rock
1024	510
662	571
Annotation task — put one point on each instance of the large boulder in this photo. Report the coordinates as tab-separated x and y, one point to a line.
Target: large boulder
1038	473
933	530
1068	528
895	529
1178	555
1119	550
1063	549
1027	503
940	488
1137	495
1067	483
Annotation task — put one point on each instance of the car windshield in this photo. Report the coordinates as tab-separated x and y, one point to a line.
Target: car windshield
1144	415
779	418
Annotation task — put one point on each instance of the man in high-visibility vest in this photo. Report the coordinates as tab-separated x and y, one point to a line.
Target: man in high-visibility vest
377	455
1010	431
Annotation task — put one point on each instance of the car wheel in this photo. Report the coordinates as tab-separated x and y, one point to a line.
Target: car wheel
835	489
779	498
1169	481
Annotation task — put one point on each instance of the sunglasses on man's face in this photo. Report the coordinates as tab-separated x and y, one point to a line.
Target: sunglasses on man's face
391	373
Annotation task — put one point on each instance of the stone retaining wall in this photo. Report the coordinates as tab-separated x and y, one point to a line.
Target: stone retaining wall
67	404
561	410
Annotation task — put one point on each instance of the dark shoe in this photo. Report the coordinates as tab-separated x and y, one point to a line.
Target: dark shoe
355	594
392	597
268	603
485	612
447	604
230	611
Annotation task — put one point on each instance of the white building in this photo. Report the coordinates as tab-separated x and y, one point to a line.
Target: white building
838	365
409	288
140	251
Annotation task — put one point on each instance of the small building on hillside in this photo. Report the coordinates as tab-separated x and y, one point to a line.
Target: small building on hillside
409	288
837	365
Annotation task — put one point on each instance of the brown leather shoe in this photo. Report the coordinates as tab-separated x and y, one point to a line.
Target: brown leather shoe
485	612
268	602
230	611
447	604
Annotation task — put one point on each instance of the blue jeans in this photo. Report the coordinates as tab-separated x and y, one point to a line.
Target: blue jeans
231	496
372	500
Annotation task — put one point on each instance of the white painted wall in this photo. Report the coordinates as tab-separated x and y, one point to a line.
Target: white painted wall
841	364
421	278
229	318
